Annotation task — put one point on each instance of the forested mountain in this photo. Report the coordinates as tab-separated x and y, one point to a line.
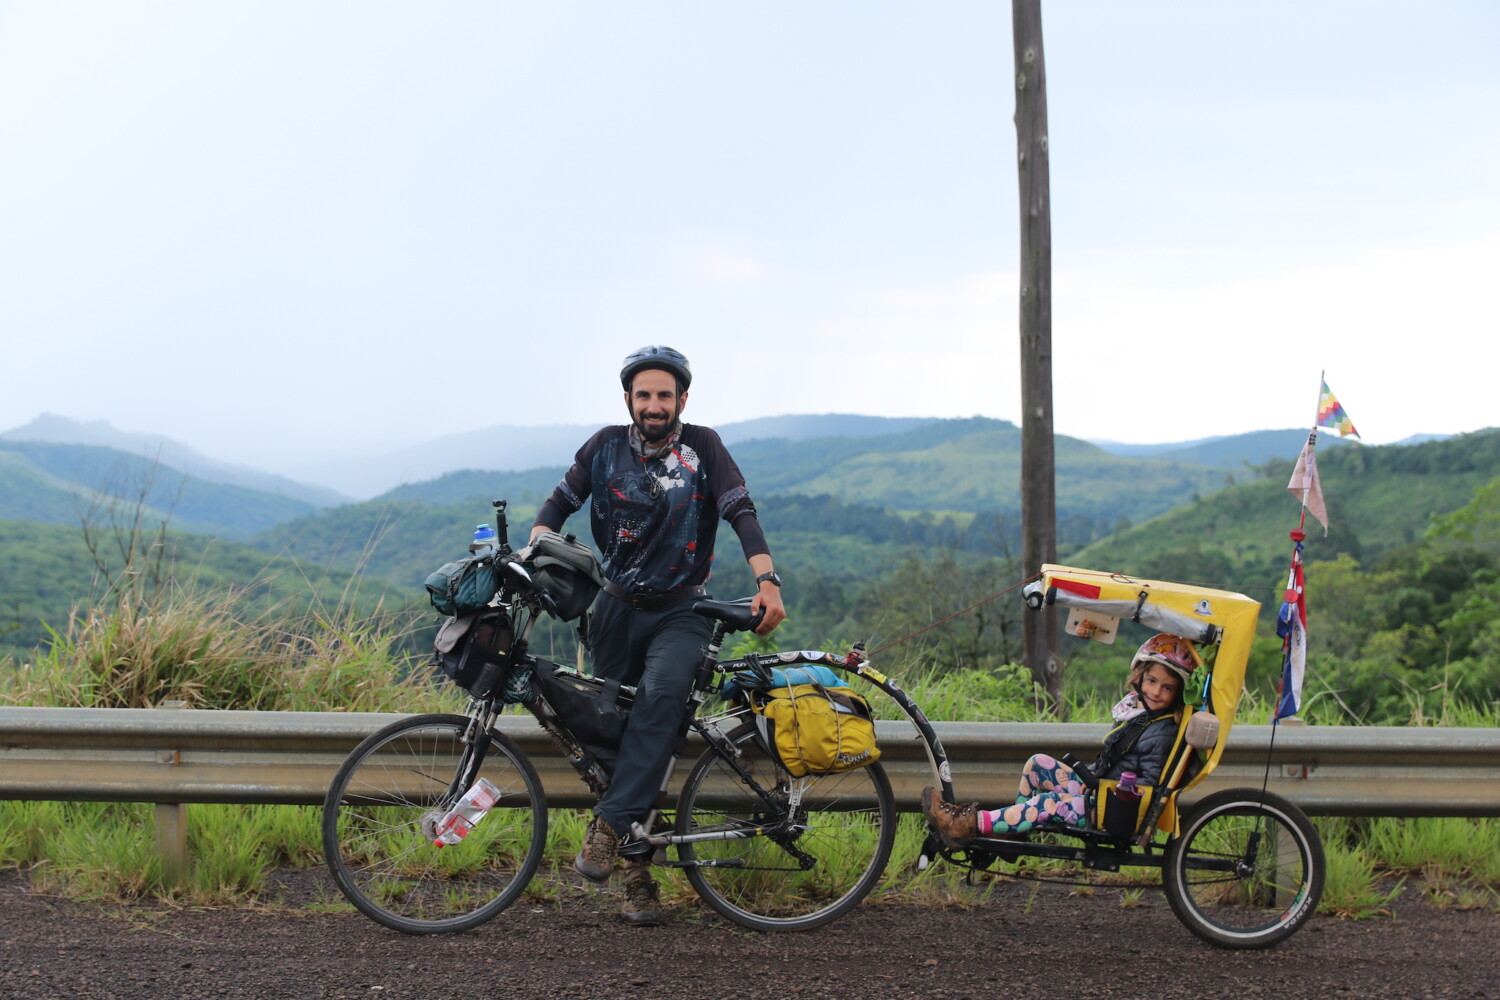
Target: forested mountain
877	536
970	466
1378	499
46	570
68	483
1233	452
506	446
156	448
842	506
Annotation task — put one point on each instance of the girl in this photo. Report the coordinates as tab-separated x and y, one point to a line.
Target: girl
1050	792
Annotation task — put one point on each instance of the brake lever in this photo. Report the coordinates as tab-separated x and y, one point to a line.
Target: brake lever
512	564
761	671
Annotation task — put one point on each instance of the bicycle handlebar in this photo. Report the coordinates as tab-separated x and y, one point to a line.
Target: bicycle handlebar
512	565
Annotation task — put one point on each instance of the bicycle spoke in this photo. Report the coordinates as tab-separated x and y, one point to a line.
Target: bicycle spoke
382	856
821	856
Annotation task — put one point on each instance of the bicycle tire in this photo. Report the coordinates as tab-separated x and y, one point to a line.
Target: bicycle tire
1247	870
373	828
848	823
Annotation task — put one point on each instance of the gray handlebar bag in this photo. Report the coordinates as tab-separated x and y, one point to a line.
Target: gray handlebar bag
569	571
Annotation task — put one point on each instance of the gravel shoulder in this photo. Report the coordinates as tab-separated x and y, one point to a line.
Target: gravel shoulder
1023	937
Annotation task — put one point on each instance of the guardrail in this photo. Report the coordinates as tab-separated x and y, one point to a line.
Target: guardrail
172	757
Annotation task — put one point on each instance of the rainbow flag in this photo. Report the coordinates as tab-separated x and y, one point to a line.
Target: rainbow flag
1331	414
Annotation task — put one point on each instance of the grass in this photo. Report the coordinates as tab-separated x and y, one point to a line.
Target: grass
1452	858
1351	888
187	645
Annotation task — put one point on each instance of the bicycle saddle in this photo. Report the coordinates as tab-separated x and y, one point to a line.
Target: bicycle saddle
735	615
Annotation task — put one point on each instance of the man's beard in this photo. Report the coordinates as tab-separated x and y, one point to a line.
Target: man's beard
672	423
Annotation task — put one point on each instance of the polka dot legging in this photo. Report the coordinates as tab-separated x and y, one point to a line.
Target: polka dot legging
1050	793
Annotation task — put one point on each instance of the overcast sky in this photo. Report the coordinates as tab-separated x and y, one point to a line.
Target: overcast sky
279	230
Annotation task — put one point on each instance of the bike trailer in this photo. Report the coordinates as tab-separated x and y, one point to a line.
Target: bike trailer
1221	623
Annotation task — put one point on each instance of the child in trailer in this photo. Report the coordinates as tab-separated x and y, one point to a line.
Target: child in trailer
1050	792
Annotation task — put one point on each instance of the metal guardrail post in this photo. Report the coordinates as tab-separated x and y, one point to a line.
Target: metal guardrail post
171	819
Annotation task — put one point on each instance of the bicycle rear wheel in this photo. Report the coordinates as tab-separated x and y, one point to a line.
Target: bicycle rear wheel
1247	870
379	814
830	859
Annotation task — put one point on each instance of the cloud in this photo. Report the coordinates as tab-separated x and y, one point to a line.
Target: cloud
1397	331
724	266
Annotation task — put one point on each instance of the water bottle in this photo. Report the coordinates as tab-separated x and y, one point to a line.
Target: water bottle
1126	790
469	810
484	542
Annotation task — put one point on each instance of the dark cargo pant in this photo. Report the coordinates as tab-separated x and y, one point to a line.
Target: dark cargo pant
657	652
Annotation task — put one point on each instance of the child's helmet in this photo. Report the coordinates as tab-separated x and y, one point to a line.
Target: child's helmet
1173	652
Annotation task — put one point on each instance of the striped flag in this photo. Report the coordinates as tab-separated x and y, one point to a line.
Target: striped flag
1331	414
1291	625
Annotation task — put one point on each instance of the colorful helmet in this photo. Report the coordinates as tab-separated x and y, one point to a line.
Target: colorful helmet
664	358
1173	652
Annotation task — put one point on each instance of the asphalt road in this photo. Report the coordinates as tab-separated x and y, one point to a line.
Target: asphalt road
1022	940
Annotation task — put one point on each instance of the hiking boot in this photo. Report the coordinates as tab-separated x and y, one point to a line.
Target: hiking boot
642	905
596	859
957	825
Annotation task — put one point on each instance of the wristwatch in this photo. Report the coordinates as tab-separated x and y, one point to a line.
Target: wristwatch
770	577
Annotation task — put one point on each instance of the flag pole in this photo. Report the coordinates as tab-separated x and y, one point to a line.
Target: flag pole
1312	446
1291	621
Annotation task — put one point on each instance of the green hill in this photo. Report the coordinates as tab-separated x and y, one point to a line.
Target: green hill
877	536
54	429
47	569
530	487
1378	498
1234	451
975	465
68	483
968	466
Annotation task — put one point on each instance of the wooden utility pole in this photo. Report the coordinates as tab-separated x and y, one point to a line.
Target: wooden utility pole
1038	473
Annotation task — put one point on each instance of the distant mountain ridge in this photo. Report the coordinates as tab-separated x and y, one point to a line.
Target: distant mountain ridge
843	508
805	453
53	429
522	449
1235	451
964	465
76	483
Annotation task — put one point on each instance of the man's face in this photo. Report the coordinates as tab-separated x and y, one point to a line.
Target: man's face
654	404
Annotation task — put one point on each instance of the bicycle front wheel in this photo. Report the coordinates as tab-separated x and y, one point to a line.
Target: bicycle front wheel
809	855
1247	870
378	821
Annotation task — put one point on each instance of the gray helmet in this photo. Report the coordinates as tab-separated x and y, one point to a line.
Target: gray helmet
664	358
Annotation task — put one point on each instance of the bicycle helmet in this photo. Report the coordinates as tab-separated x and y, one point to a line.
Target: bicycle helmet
664	358
1173	652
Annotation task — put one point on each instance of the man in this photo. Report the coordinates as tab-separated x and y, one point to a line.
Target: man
656	489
